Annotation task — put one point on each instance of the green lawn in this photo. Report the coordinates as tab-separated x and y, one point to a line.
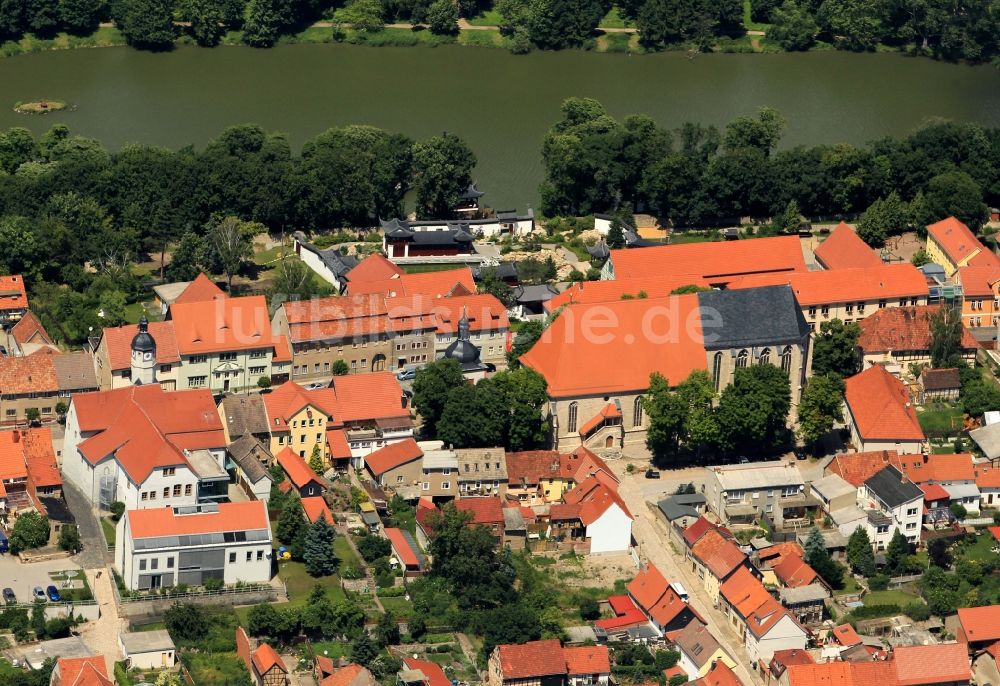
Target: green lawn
399	606
678	237
850	586
980	550
109	530
487	18
749	23
215	669
269	255
300	584
421	268
894	597
940	418
614	20
345	553
135	311
331	649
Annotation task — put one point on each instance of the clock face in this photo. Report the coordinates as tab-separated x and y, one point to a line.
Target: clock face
147	356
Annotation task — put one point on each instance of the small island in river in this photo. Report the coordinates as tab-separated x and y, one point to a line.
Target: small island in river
39	107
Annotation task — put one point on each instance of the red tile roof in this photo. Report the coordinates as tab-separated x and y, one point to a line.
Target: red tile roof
299	473
531	466
586	660
200	290
626	614
163	521
83	671
222	325
980	623
532	659
937	468
777	552
987	477
744	592
699	528
40	458
586	340
793	572
402	547
955	238
933	493
903	329
842	674
484	311
266	658
12	295
676	670
484	510
843	249
881	407
392	456
315	507
719	675
325	665
290	398
648	586
432	671
594	499
609	411
32	374
12	462
29	329
846	636
346	676
932	664
581	463
374	268
845	285
376	395
589	292
336	443
718	553
782	659
437	284
717	263
857	468
118	341
145	427
980	280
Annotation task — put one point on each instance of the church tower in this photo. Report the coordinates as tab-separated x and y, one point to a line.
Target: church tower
143	355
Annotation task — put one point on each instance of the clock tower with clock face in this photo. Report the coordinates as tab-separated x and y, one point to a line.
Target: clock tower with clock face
143	355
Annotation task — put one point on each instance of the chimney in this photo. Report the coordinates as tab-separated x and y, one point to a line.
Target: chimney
17	436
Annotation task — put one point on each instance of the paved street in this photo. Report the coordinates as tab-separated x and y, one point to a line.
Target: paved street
94	554
650	532
102	635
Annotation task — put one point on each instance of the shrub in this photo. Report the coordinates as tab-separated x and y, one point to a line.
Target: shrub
918	612
117	510
958	509
589	609
879	582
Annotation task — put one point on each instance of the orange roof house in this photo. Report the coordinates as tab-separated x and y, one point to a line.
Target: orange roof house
953	244
530	660
222	325
116	344
437	284
842	674
699	528
299	474
718	554
351	675
200	290
590	292
794	572
13	298
857	468
315	507
432	673
392	456
719	674
405	549
904	330
717	263
586	661
925	665
250	515
880	411
29	330
81	671
658	600
263	662
843	249
858	284
846	636
374	268
978	626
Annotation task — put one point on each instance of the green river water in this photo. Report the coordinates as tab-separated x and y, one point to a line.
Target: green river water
499	103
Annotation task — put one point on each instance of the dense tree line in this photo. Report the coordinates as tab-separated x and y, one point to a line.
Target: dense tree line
698	174
66	201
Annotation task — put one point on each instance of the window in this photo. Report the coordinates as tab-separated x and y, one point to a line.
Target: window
249	555
717	370
260	555
786	359
166	491
447	471
11	413
911	525
142	565
164	368
765	356
881	304
425	486
169	471
177	490
187	489
812	311
258	370
742	359
198	359
144	495
571	422
850	308
232	557
637	412
196	381
258	353
399	479
170	563
445	485
910	512
825	310
152	495
154	563
47	410
227	357
302	438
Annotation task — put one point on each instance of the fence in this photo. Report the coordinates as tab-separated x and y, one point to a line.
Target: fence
156	604
977	521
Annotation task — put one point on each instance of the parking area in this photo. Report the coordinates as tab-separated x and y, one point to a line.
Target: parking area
22	578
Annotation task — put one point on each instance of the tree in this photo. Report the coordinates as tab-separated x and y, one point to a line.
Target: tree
188	258
387	631
556	24
442	16
264	620
818	557
753	410
884	217
855	23
293	280
957	194
920	258
938	553
589	610
814	545
896	554
339	368
616	231
820	407
978	397
264	382
33	415
431	387
186	622
835	349
317	549
292	525
789	219
69	538
113	304
946	337
31	530
958	509
206	17
231	240
492	284
117	509
263	22
373	547
667	414
793	26
149	24
363	15
761	133
443	167
316	459
363	650
859	552
80	16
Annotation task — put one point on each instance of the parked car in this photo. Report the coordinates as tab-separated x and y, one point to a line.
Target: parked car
316	386
652	474
4	543
53	594
744	459
407	375
9	597
38	593
3	350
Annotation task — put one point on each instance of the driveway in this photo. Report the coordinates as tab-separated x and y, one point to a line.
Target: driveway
94	554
